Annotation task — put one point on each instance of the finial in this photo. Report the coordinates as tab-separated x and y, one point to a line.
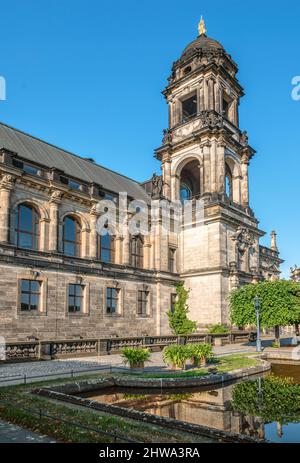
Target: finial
201	26
274	241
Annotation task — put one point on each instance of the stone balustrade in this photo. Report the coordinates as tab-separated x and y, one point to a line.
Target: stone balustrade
46	350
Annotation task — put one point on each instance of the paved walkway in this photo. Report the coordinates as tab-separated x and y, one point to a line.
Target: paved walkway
18	373
12	434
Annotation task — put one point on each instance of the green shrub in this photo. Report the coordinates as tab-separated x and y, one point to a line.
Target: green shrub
135	356
176	355
218	329
200	353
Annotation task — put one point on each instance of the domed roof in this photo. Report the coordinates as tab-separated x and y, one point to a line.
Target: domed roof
202	43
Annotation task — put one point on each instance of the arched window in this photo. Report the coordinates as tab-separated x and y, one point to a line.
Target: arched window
228	183
71	237
27	229
106	248
189	185
137	251
185	192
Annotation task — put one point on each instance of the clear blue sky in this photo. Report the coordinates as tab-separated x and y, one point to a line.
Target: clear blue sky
87	76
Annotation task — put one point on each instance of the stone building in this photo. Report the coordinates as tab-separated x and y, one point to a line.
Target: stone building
59	279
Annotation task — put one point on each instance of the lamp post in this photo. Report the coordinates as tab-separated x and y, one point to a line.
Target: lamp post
257	307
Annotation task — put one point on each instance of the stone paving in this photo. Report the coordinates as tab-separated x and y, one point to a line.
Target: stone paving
12	434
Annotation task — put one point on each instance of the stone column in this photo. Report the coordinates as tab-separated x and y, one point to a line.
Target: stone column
118	250
201	98
206	152
245	181
93	234
55	202
220	175
126	244
211	95
213	165
205	93
167	178
6	186
217	97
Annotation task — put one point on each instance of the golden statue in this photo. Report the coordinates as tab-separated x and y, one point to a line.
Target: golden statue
201	27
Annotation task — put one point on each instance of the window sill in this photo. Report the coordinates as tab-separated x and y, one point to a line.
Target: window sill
31	314
114	315
80	315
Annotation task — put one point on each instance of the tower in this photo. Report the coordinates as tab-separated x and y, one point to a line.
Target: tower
206	156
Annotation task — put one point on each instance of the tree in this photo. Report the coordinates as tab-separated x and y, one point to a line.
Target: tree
280	304
178	318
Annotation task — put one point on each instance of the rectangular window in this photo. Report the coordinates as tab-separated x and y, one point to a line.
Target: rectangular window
28	168
173	300
225	108
112	300
30	295
189	107
75	301
171	260
142	308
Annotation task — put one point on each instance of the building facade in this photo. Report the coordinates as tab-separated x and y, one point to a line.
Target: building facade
61	279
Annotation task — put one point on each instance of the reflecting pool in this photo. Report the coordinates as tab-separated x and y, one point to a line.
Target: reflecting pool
266	407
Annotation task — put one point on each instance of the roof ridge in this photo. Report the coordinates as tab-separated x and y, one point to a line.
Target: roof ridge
68	152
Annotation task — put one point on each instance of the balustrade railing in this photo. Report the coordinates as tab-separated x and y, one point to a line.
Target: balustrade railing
46	350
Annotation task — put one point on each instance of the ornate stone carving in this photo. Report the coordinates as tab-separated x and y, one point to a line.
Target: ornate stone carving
157	186
168	137
211	119
244	138
7	181
244	240
56	196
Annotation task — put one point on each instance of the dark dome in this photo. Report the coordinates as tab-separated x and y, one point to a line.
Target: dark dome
202	43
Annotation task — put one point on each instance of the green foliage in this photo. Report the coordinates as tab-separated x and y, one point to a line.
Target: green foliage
178	319
135	356
218	329
176	355
274	399
199	352
280	304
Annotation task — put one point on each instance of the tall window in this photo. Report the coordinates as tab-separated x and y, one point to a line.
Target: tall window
137	251
30	295
171	260
189	107
106	248
228	183
75	302
27	227
112	300
173	300
142	308
71	237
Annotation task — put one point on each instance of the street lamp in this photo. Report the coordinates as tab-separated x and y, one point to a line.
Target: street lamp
257	306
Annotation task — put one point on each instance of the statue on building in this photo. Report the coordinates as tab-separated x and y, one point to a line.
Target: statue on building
157	186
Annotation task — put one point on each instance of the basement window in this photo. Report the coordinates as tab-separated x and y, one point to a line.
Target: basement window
189	107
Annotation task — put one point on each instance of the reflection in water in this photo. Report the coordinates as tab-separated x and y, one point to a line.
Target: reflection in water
266	408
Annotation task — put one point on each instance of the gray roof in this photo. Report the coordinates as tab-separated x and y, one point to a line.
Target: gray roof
33	149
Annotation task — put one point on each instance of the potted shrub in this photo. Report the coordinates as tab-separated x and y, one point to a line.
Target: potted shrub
135	356
176	356
200	353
